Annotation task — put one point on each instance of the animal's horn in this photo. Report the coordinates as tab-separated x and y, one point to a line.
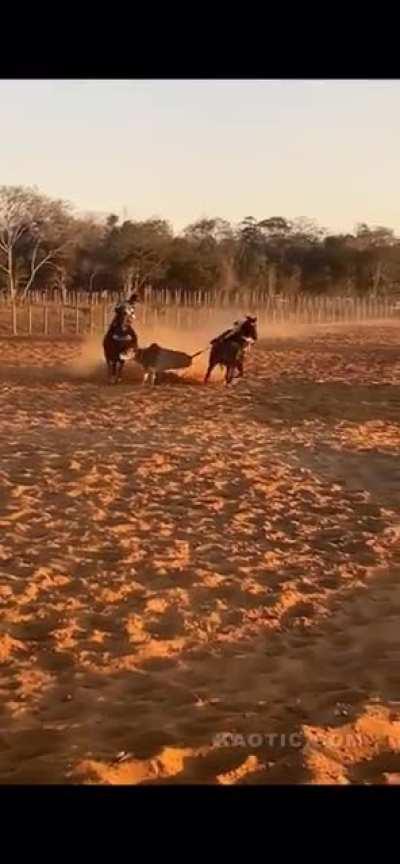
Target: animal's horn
192	356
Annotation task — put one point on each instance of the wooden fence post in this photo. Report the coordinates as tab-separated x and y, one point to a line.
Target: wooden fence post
14	319
182	309
386	308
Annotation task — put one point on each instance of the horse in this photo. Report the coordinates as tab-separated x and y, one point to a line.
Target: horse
229	348
119	338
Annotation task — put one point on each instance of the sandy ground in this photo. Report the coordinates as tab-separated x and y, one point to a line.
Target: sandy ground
184	563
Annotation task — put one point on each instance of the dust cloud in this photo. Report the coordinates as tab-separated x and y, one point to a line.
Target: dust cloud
190	336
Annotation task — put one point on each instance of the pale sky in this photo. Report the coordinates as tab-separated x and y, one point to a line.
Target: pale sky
183	150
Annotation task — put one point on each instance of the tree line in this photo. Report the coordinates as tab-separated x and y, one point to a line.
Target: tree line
45	245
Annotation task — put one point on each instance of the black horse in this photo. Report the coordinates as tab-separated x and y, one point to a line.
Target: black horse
120	337
229	348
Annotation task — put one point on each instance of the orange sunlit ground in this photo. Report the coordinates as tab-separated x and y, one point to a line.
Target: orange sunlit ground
182	562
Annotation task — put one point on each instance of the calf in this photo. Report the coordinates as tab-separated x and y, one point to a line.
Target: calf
155	359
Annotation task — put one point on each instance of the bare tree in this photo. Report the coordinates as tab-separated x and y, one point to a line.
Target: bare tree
33	231
15	221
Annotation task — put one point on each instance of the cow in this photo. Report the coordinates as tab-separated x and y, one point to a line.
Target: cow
119	338
156	359
229	348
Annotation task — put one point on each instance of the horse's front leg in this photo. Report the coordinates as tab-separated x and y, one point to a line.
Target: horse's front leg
119	367
112	372
240	369
150	377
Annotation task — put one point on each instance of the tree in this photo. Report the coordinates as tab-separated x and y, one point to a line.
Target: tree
139	251
374	246
87	256
15	221
250	258
210	243
43	244
208	233
33	230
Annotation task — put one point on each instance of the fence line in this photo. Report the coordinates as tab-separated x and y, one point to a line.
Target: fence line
237	297
50	317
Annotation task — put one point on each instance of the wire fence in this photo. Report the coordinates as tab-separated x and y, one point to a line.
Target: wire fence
81	314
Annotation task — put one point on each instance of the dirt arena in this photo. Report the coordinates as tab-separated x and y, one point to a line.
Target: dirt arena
202	585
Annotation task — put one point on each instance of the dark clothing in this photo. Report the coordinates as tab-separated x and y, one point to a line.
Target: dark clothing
120	337
226	334
122	332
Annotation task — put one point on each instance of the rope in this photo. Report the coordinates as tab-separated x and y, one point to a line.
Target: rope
197	354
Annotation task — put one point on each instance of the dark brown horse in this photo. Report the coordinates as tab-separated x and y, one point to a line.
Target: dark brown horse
229	348
120	337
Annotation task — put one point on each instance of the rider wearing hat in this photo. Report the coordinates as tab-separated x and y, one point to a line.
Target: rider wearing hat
127	306
121	328
227	333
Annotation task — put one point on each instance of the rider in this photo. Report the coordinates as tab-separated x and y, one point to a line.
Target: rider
132	300
227	333
127	306
121	329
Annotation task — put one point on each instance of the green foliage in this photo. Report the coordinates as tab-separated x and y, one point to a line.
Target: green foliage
43	244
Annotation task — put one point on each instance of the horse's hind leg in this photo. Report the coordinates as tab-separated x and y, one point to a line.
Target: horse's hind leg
211	366
230	371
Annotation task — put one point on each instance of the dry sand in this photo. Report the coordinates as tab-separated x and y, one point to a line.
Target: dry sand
184	562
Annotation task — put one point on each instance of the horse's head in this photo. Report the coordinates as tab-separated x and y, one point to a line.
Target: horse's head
249	329
123	314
